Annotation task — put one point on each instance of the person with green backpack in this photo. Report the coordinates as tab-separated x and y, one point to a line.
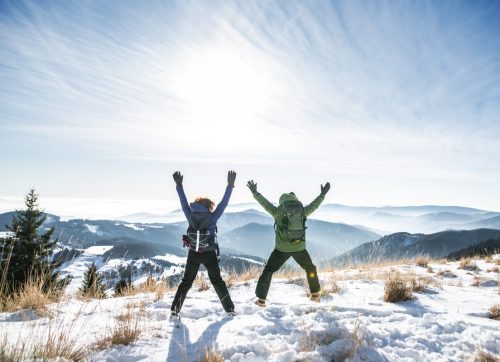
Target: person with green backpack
290	228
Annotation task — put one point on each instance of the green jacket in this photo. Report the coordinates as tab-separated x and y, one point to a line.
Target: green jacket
271	209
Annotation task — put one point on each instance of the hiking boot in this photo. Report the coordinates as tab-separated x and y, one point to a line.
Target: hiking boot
174	315
261	302
231	313
315	297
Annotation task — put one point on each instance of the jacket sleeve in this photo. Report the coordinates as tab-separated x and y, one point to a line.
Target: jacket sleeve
268	206
184	203
309	209
219	210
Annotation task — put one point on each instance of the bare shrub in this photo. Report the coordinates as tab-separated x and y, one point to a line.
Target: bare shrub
397	289
422	262
468	264
494	312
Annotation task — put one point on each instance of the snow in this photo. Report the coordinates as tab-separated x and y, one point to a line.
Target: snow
447	322
92	228
6	234
134	226
174	259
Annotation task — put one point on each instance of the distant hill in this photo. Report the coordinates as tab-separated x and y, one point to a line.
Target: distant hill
129	248
488	247
406	245
491	223
324	239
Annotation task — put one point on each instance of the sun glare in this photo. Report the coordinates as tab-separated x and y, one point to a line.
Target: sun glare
223	85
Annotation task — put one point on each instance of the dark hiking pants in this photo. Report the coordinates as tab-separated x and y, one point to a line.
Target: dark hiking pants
209	260
276	261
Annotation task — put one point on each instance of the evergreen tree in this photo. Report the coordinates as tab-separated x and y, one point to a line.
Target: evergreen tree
93	285
27	254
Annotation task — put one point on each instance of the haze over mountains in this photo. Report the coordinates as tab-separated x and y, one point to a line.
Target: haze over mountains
337	234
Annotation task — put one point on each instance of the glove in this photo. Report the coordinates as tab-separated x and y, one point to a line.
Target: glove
178	178
325	189
231	177
252	186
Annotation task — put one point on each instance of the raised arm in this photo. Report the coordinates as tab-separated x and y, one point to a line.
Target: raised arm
268	206
309	209
219	210
182	196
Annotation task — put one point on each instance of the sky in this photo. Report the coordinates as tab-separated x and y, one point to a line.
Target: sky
393	102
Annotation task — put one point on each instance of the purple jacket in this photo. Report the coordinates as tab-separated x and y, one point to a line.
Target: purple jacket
196	207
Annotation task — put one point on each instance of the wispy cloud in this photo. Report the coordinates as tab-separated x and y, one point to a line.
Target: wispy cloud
371	86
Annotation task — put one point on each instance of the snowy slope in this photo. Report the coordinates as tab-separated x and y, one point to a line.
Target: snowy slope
447	322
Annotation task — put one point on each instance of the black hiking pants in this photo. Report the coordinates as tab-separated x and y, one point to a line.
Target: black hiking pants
276	261
209	260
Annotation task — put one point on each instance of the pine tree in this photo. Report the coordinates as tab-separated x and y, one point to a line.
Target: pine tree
27	254
93	285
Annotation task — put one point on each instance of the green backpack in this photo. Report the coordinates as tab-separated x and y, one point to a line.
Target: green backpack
290	221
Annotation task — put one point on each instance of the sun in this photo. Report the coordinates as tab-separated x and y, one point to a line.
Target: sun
224	85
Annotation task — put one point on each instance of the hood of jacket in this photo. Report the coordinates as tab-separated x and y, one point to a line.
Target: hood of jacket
197	207
288	197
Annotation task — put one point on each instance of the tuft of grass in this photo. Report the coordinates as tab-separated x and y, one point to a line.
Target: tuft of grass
202	283
468	264
34	295
331	286
397	289
446	273
429	269
211	355
422	262
482	356
494	312
495	269
126	331
59	346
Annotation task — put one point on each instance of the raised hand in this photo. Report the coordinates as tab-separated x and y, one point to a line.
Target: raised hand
325	189
231	177
252	186
178	178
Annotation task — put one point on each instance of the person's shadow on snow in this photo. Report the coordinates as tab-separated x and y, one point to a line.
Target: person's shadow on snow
181	348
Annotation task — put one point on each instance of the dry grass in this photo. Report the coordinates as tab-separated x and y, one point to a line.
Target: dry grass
397	289
232	278
429	269
211	355
495	269
497	261
494	312
126	331
59	345
52	338
202	283
446	273
468	264
422	262
33	295
331	286
482	356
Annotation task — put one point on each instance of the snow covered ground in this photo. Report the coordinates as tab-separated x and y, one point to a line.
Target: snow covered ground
448	321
